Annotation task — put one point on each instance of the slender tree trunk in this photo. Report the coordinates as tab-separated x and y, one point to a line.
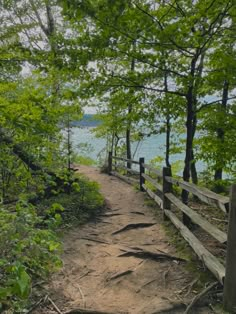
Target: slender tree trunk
194	174
189	145
197	72
129	120
168	132
190	127
69	150
168	125
128	147
193	168
188	152
112	143
220	131
116	144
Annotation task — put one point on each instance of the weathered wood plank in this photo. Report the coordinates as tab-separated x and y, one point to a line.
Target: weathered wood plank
211	262
124	178
203	194
127	160
197	219
153	170
152	181
156	198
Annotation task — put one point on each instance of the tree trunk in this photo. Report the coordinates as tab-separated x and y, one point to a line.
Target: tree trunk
189	148
190	126
193	168
168	125
194	174
69	148
190	130
220	131
128	147
198	75
129	120
168	132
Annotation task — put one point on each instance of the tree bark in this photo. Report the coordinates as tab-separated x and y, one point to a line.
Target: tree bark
128	147
168	132
190	126
190	130
168	125
220	131
193	168
194	174
189	144
129	120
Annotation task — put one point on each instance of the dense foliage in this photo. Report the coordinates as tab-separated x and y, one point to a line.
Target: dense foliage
38	191
27	252
168	65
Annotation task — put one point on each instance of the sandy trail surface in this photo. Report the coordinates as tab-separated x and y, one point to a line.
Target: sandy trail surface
96	276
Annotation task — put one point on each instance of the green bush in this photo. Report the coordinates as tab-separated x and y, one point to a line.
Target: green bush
27	252
217	186
29	243
82	203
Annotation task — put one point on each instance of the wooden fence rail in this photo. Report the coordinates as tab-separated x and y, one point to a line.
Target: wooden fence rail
158	184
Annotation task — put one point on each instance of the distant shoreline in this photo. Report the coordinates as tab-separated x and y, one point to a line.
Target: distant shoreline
87	121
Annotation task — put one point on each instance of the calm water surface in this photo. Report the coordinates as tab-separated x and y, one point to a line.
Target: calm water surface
149	148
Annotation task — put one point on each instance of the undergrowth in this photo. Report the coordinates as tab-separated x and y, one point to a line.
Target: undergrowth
30	243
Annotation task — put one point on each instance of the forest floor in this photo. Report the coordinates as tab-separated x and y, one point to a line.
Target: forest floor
95	275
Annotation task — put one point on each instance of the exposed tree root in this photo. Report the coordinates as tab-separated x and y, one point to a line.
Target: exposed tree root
151	255
123	273
110	215
134	226
146	284
137	213
95	240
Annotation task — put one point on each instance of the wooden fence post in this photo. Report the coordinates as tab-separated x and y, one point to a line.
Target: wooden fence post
141	171
109	163
166	188
229	300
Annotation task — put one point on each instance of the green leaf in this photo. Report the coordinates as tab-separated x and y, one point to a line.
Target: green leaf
23	283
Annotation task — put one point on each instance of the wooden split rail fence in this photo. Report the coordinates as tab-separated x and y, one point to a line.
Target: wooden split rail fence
225	272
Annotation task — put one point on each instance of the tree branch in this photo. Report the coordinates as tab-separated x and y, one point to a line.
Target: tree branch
155	20
167	70
148	88
213	103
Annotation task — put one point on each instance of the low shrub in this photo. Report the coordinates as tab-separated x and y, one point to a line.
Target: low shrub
27	251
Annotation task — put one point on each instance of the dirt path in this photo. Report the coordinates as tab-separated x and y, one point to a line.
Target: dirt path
92	273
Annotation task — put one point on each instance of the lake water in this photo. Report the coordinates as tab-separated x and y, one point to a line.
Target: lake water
149	148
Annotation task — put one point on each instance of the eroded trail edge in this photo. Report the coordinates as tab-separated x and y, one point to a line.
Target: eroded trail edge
123	261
